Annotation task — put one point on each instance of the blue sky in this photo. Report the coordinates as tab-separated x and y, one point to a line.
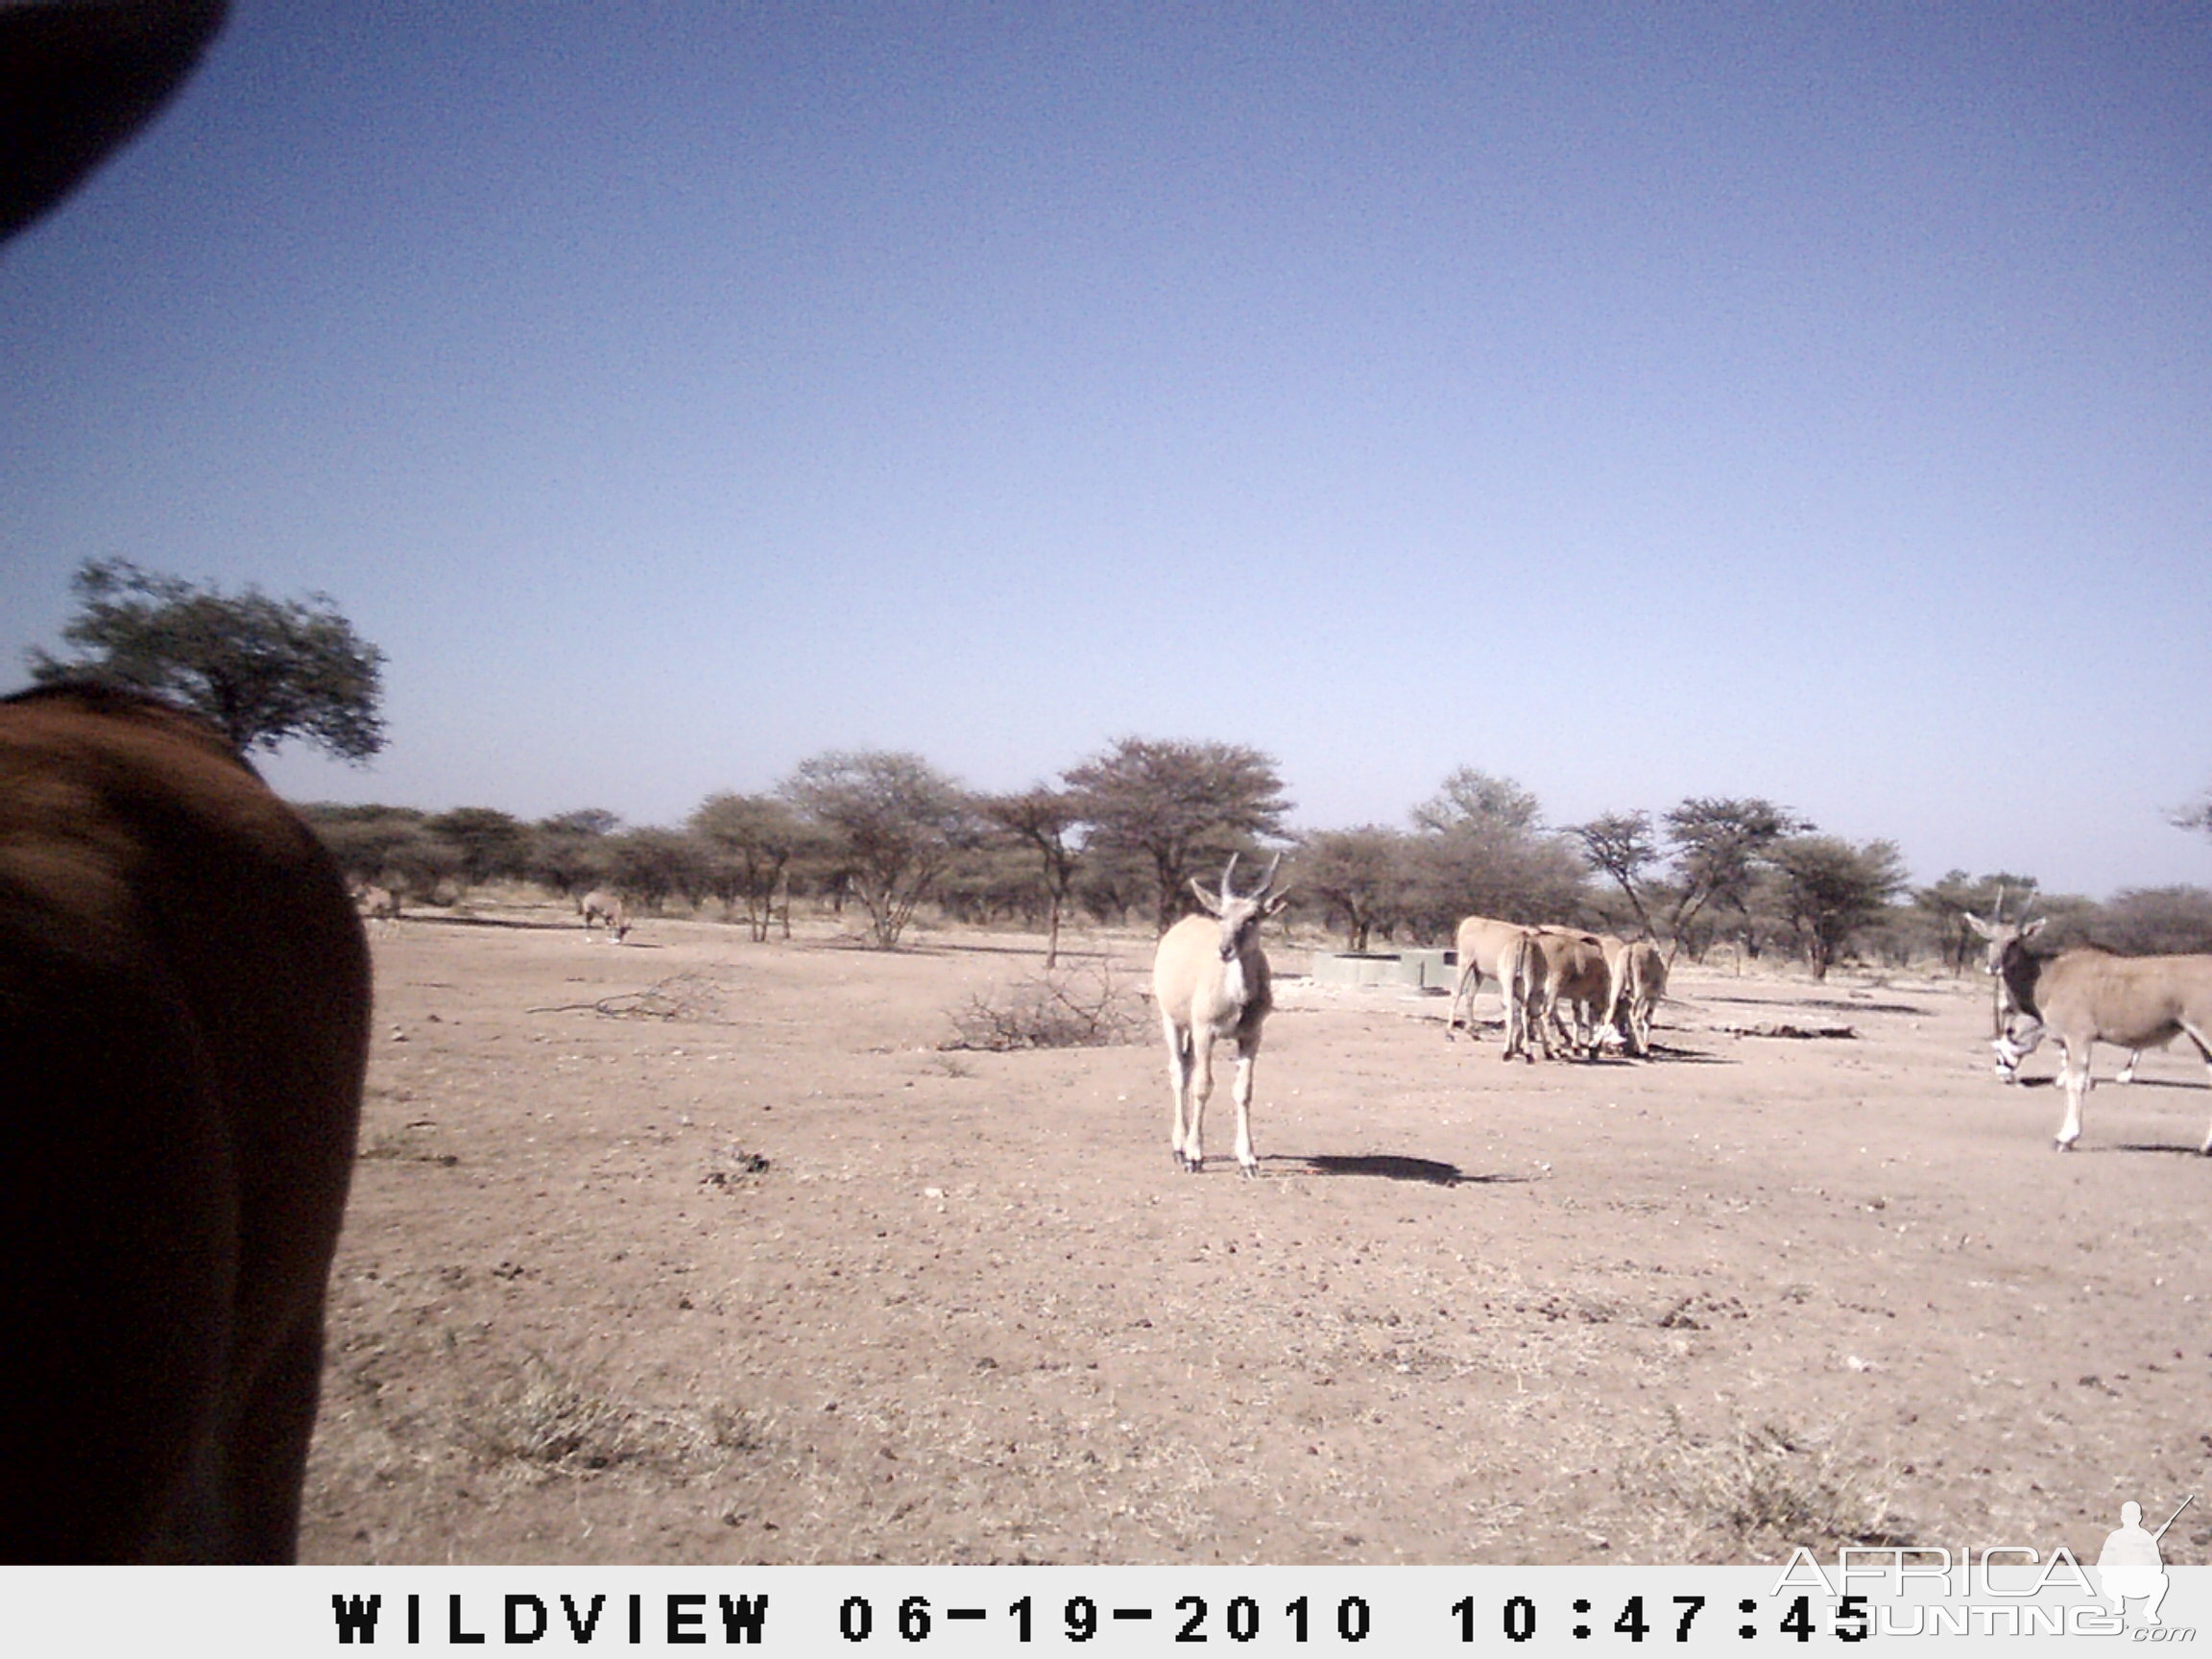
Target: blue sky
1638	401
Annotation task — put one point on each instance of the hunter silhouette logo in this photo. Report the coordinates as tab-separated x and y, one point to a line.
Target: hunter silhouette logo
2001	1589
2129	1565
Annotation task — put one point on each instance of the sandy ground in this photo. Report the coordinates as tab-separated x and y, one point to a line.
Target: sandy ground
776	1278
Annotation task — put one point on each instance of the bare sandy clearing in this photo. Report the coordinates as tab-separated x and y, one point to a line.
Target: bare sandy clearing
778	1279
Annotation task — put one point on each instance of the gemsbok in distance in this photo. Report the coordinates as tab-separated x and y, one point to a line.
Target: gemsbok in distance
184	1004
2087	996
1211	984
378	904
601	905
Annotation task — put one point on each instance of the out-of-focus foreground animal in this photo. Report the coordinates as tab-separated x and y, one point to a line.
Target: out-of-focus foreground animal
2087	996
184	1002
1211	984
185	1009
78	77
602	906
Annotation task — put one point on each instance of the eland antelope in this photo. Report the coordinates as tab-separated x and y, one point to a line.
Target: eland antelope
1211	984
601	905
1522	972
1580	983
184	1002
1639	986
2002	935
1480	943
2087	996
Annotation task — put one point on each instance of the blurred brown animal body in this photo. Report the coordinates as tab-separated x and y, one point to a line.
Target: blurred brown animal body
1211	984
2085	997
184	1003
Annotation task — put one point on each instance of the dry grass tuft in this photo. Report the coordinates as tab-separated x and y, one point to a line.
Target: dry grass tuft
1761	1490
566	1423
1086	1008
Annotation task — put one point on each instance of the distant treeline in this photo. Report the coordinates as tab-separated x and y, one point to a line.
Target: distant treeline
1119	838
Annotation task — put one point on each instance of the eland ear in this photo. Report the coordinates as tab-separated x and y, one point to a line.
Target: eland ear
1212	902
1979	925
2034	928
1277	902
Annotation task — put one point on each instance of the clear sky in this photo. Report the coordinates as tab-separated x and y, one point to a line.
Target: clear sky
1636	401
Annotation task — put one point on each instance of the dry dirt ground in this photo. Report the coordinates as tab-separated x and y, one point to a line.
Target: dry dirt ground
694	1250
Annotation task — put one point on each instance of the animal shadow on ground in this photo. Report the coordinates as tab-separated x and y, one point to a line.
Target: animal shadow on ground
1391	1168
1688	1056
2184	1150
1835	1003
515	924
955	947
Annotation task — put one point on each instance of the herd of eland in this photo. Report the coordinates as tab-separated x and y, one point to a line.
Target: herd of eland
1561	981
1212	985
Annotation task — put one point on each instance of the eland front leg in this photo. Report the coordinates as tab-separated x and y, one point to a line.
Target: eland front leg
2074	1076
1247	1054
1193	1150
1180	1063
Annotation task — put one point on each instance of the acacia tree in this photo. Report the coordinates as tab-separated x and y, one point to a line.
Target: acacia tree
751	841
1181	805
2157	922
264	671
1623	844
373	844
898	821
569	852
1471	799
1830	889
1040	819
1358	876
488	842
1948	904
1480	847
647	865
1721	848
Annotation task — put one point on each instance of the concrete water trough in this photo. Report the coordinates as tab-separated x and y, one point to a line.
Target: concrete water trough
1405	970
